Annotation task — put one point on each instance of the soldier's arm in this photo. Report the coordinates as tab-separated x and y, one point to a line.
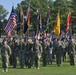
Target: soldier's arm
9	50
40	46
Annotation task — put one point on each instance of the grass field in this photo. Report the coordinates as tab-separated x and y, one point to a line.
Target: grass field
64	69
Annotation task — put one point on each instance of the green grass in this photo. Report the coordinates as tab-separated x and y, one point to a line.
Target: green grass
64	69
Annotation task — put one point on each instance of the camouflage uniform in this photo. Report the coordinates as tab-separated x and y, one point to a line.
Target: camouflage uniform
10	43
58	52
64	47
37	53
44	53
29	54
54	48
5	53
71	48
50	52
15	52
22	49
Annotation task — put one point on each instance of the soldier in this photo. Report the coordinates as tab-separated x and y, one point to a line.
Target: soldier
50	51
58	52
44	53
22	49
15	52
10	43
64	48
5	53
29	51
71	49
37	53
54	48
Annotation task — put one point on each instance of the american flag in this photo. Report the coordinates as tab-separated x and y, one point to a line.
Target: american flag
11	24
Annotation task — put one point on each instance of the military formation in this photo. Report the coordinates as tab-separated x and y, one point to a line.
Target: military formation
36	52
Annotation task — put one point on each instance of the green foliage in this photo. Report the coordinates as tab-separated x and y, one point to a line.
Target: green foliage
63	5
34	5
3	13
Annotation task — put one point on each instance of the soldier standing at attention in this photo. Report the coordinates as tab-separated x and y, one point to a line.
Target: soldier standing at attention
5	53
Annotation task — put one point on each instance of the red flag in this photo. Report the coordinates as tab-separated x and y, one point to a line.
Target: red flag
68	22
28	16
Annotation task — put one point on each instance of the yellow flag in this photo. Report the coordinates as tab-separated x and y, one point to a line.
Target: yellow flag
57	26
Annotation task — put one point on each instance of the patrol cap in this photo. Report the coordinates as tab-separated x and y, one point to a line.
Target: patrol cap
16	37
4	39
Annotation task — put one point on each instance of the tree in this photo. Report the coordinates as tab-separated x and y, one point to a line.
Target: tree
73	2
3	14
63	5
34	5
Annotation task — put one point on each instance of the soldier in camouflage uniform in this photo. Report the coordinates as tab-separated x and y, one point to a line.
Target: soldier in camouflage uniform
10	43
5	53
15	52
64	48
37	53
54	48
21	51
44	52
29	51
71	49
58	52
48	50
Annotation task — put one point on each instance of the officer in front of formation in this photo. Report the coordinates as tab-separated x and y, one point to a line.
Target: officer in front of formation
5	54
